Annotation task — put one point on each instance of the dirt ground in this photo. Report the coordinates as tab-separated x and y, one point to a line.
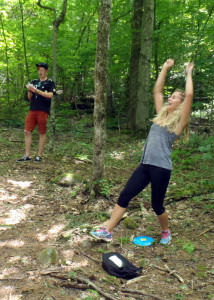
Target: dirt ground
33	214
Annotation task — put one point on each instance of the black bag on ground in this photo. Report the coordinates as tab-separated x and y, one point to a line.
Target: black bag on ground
117	265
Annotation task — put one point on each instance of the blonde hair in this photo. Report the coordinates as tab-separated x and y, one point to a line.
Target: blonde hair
171	123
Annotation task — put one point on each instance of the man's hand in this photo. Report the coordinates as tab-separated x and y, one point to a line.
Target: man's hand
189	68
59	92
169	63
31	88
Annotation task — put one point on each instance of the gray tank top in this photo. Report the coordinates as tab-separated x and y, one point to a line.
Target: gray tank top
158	147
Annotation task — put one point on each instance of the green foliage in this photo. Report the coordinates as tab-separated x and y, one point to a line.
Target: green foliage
105	187
130	223
72	274
84	217
186	24
124	239
201	271
179	297
189	247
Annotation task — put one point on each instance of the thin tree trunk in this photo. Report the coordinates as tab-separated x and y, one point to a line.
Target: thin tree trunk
24	41
142	111
56	24
7	63
134	61
110	105
100	80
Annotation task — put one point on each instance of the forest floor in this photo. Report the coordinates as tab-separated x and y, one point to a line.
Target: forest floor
37	212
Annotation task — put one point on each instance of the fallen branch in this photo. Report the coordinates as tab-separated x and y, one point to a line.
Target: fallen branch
206	230
171	272
141	293
70	285
134	280
97	262
85	281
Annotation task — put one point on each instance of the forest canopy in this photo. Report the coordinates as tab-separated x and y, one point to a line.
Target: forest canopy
183	30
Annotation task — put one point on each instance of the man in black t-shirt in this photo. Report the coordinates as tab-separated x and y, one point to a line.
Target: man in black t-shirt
40	93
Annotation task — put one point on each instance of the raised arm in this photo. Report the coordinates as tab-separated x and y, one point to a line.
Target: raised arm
159	85
187	103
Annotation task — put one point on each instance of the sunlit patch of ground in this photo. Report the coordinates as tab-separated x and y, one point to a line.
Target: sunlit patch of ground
21	184
5	195
15	216
12	243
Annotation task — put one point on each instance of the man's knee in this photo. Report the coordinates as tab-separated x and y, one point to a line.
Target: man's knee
27	132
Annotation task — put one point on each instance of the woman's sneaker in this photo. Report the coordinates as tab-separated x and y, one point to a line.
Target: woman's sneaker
24	158
165	237
102	234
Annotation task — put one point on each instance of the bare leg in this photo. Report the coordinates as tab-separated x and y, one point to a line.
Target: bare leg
28	142
42	140
163	219
116	216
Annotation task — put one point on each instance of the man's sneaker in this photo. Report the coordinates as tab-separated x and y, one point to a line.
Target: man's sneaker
165	237
24	158
38	159
102	234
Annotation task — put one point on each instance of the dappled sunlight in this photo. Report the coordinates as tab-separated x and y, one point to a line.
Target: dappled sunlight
12	243
14	259
15	216
9	272
78	239
21	184
56	229
68	254
77	265
41	237
52	233
117	155
4	292
4	195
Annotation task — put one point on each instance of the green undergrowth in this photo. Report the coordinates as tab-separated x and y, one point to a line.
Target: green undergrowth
193	162
84	217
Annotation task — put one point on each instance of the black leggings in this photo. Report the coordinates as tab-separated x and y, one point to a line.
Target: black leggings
141	177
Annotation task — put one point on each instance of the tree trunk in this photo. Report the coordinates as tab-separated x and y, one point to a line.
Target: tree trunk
24	42
7	63
53	100
56	24
134	61
142	110
100	81
110	105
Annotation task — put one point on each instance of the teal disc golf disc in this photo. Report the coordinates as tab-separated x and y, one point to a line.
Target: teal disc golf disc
143	240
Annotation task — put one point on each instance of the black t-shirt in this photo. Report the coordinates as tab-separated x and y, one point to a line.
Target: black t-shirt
39	102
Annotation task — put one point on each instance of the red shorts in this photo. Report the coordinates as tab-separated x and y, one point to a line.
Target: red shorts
34	118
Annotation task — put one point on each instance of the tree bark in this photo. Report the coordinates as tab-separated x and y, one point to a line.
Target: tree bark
100	81
56	24
7	63
142	109
24	41
134	61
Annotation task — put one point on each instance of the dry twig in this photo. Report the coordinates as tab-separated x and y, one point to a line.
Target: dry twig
140	293
87	282
206	230
171	272
134	280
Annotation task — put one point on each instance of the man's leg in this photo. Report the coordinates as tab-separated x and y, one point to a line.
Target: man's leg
42	140
28	142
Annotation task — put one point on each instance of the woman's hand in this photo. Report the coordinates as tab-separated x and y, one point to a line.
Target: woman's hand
189	68
169	63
